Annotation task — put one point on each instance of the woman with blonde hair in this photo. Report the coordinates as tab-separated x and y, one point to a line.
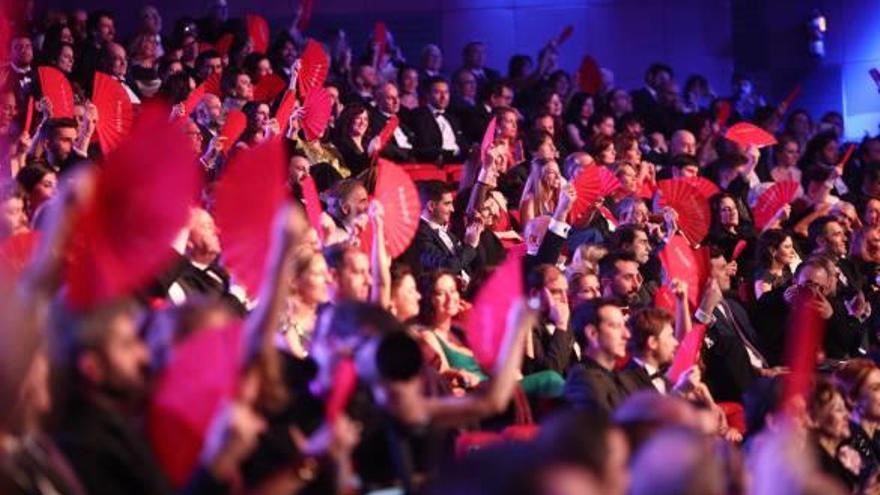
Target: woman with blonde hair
308	290
541	192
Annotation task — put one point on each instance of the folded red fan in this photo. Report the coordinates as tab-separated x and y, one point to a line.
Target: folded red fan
380	42
314	66
258	32
305	15
488	139
724	109
224	44
800	353
29	116
746	134
115	109
344	384
236	122
57	89
589	76
268	88
846	155
124	235
771	201
564	35
316	113
486	324
255	177
688	353
385	135
312	202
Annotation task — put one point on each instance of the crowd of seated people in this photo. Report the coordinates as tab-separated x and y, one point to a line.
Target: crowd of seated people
581	398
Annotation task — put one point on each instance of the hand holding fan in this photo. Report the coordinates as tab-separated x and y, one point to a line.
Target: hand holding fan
314	66
488	139
681	261
316	113
592	185
692	207
746	134
399	197
57	89
142	194
385	135
255	177
688	353
786	103
772	200
258	32
486	322
28	116
116	111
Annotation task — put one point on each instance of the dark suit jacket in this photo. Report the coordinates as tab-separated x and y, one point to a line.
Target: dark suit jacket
428	145
513	181
590	386
392	151
355	160
728	369
474	121
552	352
548	252
634	378
428	252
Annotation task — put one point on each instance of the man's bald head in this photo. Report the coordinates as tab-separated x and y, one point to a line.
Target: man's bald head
683	143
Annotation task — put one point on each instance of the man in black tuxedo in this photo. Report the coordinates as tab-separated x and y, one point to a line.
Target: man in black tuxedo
438	136
828	238
653	347
730	349
551	346
646	100
499	94
434	245
474	59
400	147
18	75
594	384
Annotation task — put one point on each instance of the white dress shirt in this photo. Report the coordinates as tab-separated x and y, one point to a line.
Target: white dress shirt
449	142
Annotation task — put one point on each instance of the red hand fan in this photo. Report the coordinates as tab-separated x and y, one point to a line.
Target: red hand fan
589	76
314	66
194	98
704	186
805	331
400	198
786	103
269	88
488	139
16	253
285	110
647	190
564	35
344	384
486	322
258	32
212	84
236	122
694	216
386	134
305	16
772	200
846	155
28	116
746	134
688	352
313	204
664	299
142	195
593	184
224	44
380	41
188	395
724	110
57	89
255	177
115	109
316	113
681	261
741	246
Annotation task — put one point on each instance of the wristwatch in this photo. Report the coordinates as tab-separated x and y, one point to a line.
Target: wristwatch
704	318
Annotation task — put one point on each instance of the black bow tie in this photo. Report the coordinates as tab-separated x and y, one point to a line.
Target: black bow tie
655	375
438	113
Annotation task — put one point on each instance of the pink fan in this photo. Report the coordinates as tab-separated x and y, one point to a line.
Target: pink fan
316	113
688	352
486	322
772	200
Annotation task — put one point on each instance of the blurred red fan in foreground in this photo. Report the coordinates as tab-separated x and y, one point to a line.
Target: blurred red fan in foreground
771	201
248	196
316	113
314	66
592	185
589	76
380	42
268	88
16	252
806	324
724	109
305	15
115	109
142	194
29	116
224	44
487	320
57	89
188	394
258	32
344	384
211	85
692	207
746	134
313	204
